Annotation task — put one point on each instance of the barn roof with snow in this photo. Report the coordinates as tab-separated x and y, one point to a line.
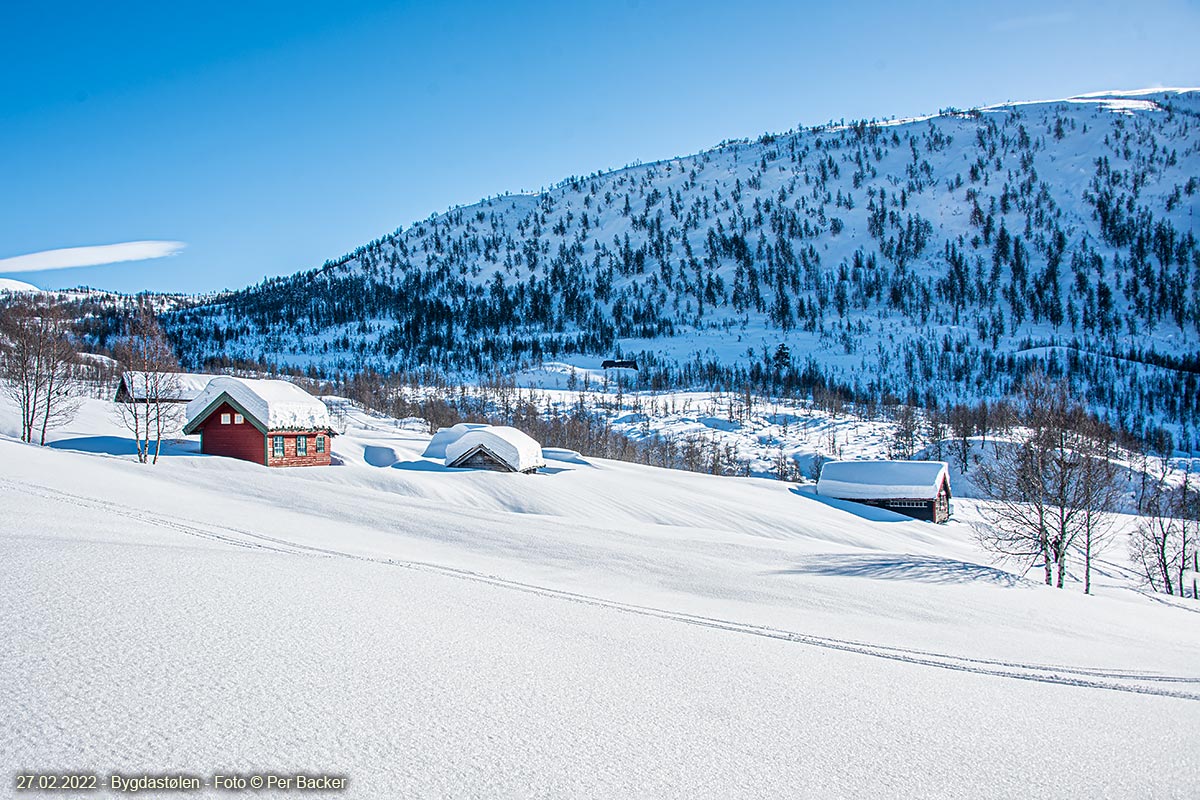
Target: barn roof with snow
495	447
270	405
444	436
174	387
884	480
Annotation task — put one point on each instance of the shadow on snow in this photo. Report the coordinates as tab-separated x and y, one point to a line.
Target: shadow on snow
900	567
872	513
123	446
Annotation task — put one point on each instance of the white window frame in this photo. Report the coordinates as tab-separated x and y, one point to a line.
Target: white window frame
224	419
278	447
301	445
238	419
907	503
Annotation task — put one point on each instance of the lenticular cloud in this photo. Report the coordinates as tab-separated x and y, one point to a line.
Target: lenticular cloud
68	257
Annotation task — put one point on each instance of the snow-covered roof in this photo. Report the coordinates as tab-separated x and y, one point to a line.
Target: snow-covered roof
444	436
174	385
882	480
518	450
275	405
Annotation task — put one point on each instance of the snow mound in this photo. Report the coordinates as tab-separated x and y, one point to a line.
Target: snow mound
98	360
277	405
446	436
10	285
515	448
878	480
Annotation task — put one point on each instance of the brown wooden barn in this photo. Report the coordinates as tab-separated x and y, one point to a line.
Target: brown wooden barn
918	489
268	422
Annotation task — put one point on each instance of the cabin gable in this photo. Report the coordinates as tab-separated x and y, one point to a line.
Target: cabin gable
227	431
480	457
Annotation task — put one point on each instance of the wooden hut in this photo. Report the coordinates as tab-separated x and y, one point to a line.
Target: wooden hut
269	422
497	448
918	489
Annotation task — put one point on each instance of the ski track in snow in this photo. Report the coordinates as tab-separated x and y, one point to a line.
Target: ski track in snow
1131	681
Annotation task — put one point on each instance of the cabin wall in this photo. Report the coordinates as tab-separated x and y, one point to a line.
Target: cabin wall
290	457
925	511
234	440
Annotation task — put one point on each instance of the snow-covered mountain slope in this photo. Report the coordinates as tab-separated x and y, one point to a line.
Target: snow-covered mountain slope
100	316
921	259
598	630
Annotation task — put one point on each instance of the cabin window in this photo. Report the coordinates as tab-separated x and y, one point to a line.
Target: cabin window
238	419
224	419
301	445
907	503
277	445
320	444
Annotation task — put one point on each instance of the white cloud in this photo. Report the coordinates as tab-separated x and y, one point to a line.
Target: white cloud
1048	20
92	256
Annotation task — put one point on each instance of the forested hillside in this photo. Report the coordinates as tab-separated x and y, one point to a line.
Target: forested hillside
928	260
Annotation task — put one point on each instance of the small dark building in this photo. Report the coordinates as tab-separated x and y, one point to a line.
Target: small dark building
917	489
611	364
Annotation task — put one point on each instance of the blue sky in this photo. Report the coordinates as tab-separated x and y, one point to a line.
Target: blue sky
268	137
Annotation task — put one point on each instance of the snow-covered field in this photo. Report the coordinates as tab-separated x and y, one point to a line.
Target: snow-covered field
600	629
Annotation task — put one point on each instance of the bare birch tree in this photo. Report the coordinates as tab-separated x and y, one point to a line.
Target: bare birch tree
962	427
37	366
1189	513
153	382
1101	479
904	436
1015	522
935	433
1049	488
1166	543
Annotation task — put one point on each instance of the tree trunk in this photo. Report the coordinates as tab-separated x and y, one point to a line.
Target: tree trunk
1195	567
45	421
1087	560
158	432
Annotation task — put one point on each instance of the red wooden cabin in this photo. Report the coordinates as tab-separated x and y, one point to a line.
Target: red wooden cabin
269	422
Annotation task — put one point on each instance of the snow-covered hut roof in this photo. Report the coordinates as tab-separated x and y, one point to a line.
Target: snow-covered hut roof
175	386
515	449
444	436
275	405
883	480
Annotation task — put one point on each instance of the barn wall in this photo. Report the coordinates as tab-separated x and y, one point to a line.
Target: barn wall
290	459
924	512
242	441
483	460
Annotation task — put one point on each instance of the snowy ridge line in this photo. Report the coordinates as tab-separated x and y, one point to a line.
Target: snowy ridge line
1128	681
